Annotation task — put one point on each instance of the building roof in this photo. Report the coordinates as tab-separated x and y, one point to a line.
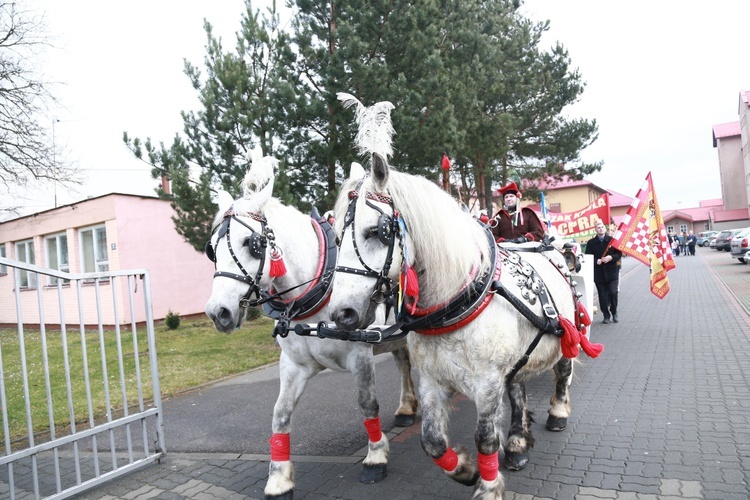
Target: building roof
695	214
723	130
715	202
79	202
618	199
730	215
744	97
565	183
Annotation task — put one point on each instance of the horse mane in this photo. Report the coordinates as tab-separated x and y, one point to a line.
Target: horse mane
446	242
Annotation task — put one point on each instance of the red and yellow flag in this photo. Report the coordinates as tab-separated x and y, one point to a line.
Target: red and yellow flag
642	234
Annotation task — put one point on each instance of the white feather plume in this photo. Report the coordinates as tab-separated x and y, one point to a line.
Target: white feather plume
374	128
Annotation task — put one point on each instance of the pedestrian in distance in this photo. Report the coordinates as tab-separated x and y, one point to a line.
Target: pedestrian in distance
692	240
606	271
683	243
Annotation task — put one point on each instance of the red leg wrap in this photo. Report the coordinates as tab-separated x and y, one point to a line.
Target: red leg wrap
373	429
280	447
488	466
449	460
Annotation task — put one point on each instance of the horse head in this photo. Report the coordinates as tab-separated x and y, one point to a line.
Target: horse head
249	235
370	246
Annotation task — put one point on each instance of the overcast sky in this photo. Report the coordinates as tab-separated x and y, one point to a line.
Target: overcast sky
659	75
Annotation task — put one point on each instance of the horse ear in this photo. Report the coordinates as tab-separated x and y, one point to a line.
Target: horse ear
356	171
224	200
260	176
379	172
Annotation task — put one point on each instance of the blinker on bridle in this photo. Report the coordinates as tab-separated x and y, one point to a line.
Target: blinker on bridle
388	231
257	246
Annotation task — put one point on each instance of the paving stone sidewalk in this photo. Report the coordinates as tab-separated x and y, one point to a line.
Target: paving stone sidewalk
663	413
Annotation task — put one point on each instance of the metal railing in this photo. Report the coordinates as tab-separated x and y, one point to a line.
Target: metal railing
79	406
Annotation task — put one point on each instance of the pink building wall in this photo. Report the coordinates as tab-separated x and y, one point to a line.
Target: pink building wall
140	235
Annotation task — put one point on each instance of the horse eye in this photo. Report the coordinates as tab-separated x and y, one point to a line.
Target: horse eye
338	241
371	233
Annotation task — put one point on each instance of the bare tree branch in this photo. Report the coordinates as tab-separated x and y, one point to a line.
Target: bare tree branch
27	152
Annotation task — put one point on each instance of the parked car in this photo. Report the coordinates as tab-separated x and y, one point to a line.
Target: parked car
740	243
712	243
704	238
745	257
724	239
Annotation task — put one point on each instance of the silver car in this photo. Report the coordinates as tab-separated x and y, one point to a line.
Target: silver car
740	244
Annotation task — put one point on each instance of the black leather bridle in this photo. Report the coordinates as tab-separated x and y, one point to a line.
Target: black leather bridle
257	246
388	231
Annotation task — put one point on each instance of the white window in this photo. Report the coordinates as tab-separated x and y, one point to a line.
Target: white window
57	255
25	253
93	245
3	268
683	228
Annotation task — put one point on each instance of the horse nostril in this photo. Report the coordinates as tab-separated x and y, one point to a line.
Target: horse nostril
346	319
222	317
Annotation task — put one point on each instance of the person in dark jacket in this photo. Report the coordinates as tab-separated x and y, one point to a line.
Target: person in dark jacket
606	271
513	223
692	239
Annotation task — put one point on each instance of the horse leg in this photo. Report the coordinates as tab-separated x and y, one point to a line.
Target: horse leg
487	438
520	440
376	462
456	463
560	401
292	381
407	410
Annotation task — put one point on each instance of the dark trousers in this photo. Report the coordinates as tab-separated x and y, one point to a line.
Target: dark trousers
607	296
691	248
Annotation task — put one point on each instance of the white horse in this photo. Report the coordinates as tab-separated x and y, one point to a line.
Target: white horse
475	313
252	236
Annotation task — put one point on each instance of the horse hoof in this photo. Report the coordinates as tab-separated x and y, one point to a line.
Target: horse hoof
556	424
288	495
515	461
404	420
373	473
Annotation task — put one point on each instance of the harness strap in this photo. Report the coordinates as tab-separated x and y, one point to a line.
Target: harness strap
318	292
543	323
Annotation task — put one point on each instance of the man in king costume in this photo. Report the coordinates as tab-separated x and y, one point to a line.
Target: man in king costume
514	224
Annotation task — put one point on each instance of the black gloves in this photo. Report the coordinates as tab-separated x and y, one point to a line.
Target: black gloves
520	239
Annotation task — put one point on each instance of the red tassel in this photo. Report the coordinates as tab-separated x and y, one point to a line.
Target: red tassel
412	283
583	314
570	339
592	350
446	163
278	268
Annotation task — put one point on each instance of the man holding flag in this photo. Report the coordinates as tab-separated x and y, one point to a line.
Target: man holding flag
606	270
